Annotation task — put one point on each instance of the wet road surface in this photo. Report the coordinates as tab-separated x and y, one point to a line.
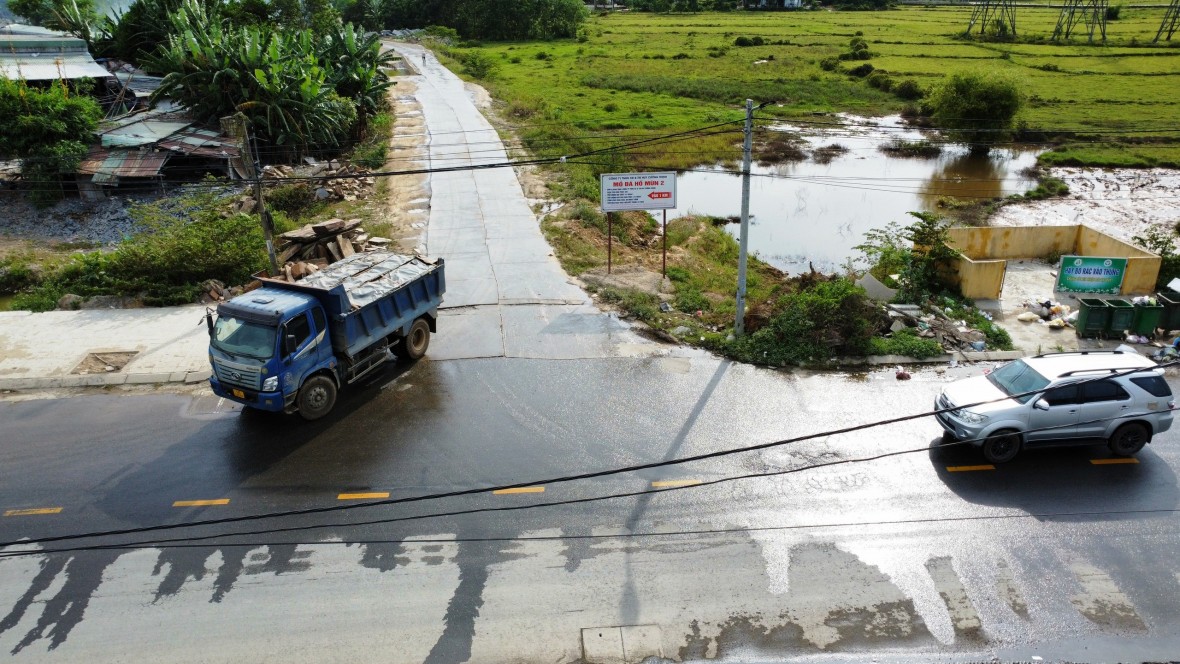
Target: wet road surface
924	553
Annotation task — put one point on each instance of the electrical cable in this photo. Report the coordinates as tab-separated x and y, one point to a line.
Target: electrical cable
188	541
581	476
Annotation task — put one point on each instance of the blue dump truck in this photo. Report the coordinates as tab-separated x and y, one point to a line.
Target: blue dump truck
291	346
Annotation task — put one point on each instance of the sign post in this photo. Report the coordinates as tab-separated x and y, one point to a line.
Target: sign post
636	191
1091	274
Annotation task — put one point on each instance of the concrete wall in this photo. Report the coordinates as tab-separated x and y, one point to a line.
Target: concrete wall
981	270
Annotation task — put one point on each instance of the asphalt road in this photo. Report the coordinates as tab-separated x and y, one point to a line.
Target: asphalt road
914	556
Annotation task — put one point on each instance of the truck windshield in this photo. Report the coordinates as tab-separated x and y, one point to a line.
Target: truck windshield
1017	378
239	337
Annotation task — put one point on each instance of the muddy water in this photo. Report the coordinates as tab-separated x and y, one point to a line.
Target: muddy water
5	302
810	212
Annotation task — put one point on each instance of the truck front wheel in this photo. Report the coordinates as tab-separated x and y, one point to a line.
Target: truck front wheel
316	397
413	346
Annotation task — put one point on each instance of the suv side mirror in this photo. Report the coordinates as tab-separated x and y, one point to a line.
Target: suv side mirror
1041	404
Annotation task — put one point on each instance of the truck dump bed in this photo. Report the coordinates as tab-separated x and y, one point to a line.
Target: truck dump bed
372	295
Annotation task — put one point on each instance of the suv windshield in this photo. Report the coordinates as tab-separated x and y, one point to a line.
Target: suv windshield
238	337
1017	378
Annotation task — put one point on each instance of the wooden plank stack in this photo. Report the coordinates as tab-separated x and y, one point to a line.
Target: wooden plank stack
309	249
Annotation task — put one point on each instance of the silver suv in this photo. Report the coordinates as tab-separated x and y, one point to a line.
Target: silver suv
1059	399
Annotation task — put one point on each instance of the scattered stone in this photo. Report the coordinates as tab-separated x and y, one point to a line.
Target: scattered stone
70	302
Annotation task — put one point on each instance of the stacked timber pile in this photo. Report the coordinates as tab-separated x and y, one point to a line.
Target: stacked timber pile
309	249
341	183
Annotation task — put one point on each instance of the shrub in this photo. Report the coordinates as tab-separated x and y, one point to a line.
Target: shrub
1112	12
610	107
905	342
830	318
880	80
829	64
17	273
976	108
690	299
291	199
543	55
861	71
908	90
480	65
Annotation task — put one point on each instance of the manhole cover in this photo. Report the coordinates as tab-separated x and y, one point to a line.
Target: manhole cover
107	362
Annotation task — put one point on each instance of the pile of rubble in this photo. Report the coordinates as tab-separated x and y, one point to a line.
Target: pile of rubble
952	334
341	183
309	249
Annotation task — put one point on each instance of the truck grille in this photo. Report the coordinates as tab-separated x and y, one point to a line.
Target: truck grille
239	375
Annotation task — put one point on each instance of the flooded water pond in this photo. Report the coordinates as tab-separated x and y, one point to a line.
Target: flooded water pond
816	211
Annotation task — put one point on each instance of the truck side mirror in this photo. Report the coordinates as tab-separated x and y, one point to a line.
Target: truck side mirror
209	323
289	344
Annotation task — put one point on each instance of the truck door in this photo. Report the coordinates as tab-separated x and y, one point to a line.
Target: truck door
297	355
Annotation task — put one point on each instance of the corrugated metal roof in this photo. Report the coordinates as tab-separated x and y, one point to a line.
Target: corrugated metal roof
36	57
51	69
201	142
144	132
107	166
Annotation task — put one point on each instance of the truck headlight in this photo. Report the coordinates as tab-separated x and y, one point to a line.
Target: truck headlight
971	418
270	384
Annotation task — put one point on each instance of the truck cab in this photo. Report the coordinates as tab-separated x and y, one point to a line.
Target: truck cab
264	345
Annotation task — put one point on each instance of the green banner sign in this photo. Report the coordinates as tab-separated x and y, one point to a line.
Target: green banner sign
1091	274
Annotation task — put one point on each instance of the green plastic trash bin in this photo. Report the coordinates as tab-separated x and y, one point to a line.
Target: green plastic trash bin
1171	303
1093	314
1147	318
1122	317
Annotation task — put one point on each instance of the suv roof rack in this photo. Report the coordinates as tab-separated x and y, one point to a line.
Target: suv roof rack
1122	370
1082	352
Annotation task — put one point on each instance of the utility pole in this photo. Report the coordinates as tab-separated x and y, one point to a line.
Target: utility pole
268	227
747	155
237	126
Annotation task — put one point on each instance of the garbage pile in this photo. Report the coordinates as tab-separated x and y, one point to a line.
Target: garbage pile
1050	313
936	324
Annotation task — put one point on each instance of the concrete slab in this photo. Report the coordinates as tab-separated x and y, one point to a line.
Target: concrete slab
536	281
519	250
470	293
467	334
470	265
602	645
452	241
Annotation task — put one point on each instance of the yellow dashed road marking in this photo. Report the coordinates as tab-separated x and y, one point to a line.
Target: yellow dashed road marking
363	496
522	489
667	483
200	503
964	469
1107	462
33	511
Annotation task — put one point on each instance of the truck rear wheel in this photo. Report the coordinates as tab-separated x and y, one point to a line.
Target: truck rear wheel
413	346
316	397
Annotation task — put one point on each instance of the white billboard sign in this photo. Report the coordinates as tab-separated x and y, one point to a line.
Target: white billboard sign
638	191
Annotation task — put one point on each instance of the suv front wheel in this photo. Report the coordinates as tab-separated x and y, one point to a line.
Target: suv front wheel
1002	446
1128	439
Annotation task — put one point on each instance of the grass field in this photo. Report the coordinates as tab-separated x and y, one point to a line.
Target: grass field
635	73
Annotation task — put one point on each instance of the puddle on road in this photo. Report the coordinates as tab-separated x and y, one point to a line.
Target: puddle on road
812	212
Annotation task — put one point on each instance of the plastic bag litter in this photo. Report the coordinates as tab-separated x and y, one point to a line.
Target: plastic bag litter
1056	324
1028	317
1142	300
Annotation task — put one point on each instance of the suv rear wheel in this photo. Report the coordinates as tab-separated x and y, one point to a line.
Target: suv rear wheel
1128	439
1002	446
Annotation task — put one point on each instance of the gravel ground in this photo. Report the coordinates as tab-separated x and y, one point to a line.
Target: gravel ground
71	220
